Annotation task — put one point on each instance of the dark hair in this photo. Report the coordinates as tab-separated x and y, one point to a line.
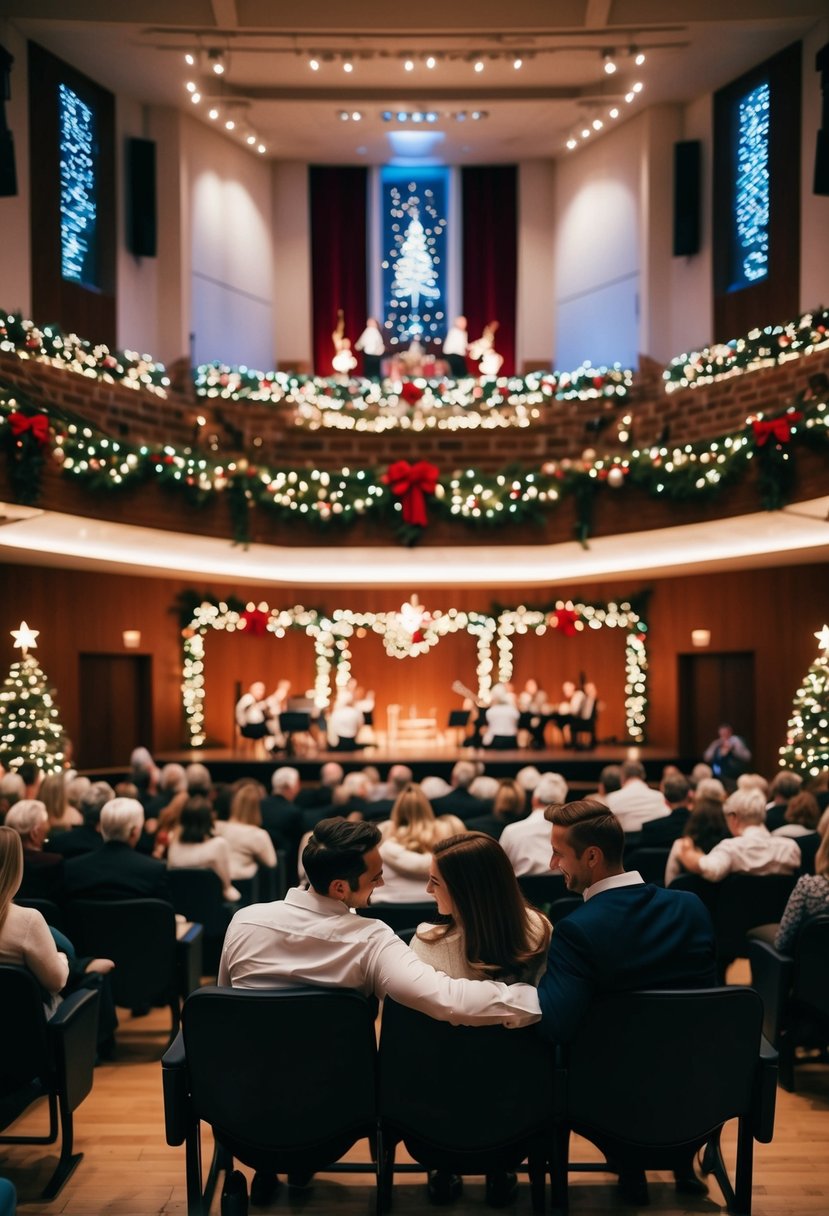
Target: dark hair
632	768
27	770
786	784
706	824
492	913
510	801
337	849
610	778
590	824
675	789
196	822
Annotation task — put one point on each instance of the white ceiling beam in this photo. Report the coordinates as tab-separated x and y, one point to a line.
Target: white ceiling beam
225	14
597	14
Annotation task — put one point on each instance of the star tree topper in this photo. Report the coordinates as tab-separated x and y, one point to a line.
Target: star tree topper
823	638
24	638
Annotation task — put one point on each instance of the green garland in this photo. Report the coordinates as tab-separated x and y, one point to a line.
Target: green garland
515	494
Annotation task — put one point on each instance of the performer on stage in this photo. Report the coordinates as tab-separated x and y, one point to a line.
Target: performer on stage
484	353
455	346
370	342
583	719
501	732
535	708
343	361
252	712
344	723
567	708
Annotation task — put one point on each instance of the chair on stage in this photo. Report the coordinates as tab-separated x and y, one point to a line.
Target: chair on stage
52	1057
458	722
303	1068
625	1085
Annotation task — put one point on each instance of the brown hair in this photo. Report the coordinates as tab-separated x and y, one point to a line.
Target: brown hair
246	806
803	809
501	941
590	824
706	824
11	869
196	822
510	801
52	793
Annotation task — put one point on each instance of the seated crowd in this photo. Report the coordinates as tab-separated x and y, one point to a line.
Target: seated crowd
481	954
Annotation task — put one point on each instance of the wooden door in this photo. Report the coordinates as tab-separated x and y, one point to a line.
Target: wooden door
715	688
115	708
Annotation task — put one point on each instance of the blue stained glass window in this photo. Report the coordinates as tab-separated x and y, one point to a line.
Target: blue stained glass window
78	188
414	204
750	261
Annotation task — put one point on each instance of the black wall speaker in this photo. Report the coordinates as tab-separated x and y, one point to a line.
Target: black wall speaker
8	174
822	149
141	212
687	165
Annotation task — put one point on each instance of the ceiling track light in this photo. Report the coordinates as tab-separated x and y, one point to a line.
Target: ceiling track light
609	62
637	56
314	63
217	61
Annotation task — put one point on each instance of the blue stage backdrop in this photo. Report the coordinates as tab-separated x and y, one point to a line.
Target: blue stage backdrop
414	210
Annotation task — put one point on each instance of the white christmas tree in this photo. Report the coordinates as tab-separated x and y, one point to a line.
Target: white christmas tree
806	750
29	726
414	270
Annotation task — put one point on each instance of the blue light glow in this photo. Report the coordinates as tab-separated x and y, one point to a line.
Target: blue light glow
78	202
414	209
751	193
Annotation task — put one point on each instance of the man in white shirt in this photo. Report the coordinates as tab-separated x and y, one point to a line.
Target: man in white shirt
344	724
311	937
455	346
527	843
370	342
752	848
635	803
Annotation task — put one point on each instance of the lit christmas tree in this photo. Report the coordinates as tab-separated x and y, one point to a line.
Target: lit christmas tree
414	270
807	739
29	725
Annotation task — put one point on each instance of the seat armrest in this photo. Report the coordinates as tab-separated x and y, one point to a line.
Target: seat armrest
189	960
764	1098
771	977
176	1091
73	1031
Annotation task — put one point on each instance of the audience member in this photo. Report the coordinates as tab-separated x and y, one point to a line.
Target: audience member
76	788
635	803
144	774
610	780
379	809
406	847
250	845
509	806
699	772
810	898
784	786
706	827
62	815
753	781
12	789
331	774
199	782
709	787
658	833
728	755
87	837
42	876
31	776
435	788
171	781
459	801
484	788
751	849
281	817
527	843
626	935
801	818
116	870
193	846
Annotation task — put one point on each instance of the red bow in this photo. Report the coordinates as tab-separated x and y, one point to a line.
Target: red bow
779	429
255	622
411	482
410	393
565	620
38	424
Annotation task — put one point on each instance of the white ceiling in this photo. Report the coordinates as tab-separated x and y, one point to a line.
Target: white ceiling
138	50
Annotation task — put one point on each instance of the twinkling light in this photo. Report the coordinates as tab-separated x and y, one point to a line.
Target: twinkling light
806	749
30	729
78	188
414	234
751	188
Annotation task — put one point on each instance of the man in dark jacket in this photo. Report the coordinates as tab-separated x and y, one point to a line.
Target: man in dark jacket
116	870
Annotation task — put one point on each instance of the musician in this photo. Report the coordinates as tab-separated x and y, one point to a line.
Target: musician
533	701
568	707
343	361
455	346
253	712
370	342
501	732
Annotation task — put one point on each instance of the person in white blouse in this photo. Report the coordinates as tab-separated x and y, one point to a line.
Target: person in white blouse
751	849
502	719
409	837
250	845
370	342
193	846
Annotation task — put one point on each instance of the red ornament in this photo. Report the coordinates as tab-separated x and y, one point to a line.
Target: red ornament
410	393
38	424
254	622
411	483
32	343
565	621
779	429
598	381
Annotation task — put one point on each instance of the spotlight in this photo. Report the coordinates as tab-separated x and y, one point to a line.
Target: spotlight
479	65
638	87
387	116
461	116
572	143
417	116
609	62
214	113
250	140
597	124
216	59
261	148
476	114
230	125
402	116
343	116
190	86
517	62
195	98
638	57
430	61
314	65
348	66
431	116
190	60
409	65
356	116
585	134
629	97
614	113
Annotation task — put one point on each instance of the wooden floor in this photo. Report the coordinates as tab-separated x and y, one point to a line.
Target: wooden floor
129	1171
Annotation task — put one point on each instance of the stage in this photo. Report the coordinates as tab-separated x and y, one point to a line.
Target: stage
580	769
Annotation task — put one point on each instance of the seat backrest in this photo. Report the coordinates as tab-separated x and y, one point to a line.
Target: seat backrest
402	916
197	894
661	1068
461	1087
25	1053
707	891
542	889
745	901
47	908
650	862
281	1069
139	935
811	969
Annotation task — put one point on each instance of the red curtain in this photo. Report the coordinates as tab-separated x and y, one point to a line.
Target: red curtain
490	213
338	256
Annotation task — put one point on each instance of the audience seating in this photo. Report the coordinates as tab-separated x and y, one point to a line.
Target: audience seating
541	889
197	894
651	1074
303	1068
795	993
50	911
52	1057
453	1114
402	916
808	846
743	902
151	966
560	908
650	863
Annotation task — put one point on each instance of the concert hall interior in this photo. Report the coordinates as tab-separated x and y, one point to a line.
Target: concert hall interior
429	360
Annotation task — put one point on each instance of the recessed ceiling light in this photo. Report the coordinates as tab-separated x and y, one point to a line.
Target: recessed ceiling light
614	113
597	124
479	65
189	59
214	113
230	125
314	65
639	58
572	143
251	140
190	86
585	133
638	87
261	148
356	116
348	66
517	62
609	62
430	61
409	65
629	97
195	98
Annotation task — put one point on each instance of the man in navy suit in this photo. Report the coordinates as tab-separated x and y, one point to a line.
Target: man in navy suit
627	935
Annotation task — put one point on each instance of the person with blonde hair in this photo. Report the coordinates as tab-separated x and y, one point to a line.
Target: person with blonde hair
54	796
406	848
249	843
42	871
751	848
509	806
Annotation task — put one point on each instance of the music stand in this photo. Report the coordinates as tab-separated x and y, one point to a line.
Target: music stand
458	720
290	723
